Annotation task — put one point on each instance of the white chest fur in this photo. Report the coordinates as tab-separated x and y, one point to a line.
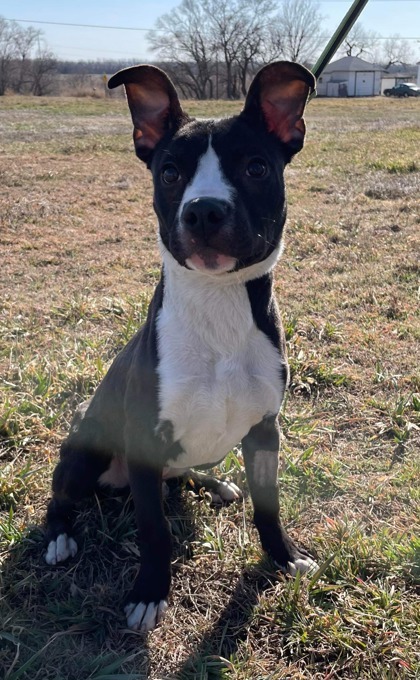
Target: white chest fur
218	373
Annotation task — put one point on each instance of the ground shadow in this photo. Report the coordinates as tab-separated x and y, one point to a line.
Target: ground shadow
231	628
67	621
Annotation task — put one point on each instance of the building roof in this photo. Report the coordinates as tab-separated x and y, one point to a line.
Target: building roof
352	64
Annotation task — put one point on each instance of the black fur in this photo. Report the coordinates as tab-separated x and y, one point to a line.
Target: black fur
122	421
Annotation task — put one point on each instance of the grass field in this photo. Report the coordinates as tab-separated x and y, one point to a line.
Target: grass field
78	266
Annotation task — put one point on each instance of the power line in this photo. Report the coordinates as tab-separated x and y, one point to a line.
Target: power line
133	28
60	23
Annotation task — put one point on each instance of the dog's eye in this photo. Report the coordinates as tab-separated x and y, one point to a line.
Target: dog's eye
256	168
170	174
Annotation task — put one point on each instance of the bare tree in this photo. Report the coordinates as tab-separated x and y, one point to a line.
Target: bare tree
183	42
200	38
298	35
25	40
360	42
236	29
396	50
232	38
250	57
8	54
43	69
20	67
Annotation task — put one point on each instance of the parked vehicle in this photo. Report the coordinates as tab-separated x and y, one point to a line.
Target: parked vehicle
403	90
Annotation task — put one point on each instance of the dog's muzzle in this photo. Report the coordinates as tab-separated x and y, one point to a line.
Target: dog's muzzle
206	234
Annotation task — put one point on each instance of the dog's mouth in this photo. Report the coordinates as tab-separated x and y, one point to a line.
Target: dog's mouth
210	260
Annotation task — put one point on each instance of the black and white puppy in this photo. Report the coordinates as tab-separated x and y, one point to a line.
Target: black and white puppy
208	369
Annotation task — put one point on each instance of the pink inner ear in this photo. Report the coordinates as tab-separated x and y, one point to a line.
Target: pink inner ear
148	137
149	110
151	132
283	107
281	121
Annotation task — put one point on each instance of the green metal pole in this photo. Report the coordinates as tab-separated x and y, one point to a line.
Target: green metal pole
349	20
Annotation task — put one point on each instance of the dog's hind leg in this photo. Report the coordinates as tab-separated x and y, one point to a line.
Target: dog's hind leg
260	450
82	462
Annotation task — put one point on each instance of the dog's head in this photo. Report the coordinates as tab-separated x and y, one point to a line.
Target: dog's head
218	184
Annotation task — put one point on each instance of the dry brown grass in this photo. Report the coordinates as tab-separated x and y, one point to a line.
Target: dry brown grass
79	263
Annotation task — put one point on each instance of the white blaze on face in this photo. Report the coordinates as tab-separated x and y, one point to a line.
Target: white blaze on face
208	180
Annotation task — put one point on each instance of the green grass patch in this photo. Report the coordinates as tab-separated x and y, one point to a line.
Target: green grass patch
396	167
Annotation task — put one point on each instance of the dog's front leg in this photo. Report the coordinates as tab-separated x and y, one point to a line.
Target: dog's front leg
261	455
147	602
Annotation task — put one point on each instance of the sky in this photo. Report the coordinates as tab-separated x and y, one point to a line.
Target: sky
386	17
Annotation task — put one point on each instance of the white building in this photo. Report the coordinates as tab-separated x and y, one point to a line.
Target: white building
350	77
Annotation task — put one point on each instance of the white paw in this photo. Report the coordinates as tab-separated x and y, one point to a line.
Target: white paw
60	549
304	564
145	617
226	493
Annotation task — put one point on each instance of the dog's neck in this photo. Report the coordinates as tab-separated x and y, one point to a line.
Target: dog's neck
216	307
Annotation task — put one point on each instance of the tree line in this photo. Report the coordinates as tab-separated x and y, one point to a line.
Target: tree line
210	48
26	63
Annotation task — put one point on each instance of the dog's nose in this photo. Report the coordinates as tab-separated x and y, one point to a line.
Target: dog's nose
205	216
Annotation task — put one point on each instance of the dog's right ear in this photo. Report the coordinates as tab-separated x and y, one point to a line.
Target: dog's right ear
154	105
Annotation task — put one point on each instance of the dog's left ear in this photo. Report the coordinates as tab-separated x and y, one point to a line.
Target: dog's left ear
278	95
153	103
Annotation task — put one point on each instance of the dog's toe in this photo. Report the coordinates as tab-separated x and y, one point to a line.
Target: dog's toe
145	617
60	549
303	564
228	491
225	492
